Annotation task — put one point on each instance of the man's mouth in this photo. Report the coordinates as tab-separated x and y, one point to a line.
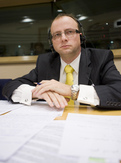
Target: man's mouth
65	46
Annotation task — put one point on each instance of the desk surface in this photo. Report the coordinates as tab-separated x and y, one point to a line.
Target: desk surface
83	109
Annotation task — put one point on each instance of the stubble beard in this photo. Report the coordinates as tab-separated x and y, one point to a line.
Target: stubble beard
69	55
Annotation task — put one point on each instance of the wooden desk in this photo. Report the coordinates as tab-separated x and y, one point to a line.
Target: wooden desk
83	109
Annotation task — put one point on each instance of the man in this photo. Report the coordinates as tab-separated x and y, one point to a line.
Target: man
99	82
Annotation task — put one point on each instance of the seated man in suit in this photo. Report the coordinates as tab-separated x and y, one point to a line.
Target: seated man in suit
96	81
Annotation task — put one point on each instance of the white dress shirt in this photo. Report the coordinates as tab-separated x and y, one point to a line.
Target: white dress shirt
87	93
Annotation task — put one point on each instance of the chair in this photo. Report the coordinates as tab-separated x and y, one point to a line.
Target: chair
2	83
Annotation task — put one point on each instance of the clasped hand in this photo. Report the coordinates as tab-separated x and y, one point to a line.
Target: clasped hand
54	92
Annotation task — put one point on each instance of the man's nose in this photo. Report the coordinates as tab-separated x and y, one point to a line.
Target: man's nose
63	36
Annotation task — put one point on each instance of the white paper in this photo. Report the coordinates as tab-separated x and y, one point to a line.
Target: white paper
92	136
44	147
6	106
97	160
18	126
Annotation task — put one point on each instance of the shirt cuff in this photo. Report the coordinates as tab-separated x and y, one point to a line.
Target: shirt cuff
23	94
88	95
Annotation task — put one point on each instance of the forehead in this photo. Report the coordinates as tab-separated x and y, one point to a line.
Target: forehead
63	23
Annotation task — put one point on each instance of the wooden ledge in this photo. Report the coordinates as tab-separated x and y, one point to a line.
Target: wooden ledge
117	53
32	59
18	59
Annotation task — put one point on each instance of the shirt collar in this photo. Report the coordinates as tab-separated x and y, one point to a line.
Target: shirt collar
74	64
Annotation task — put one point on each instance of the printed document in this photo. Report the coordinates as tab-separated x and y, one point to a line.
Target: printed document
43	147
92	136
6	106
18	126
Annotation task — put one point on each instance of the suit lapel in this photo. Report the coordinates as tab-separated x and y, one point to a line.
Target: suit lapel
84	68
54	69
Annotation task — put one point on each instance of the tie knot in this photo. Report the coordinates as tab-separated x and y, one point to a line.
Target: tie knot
68	69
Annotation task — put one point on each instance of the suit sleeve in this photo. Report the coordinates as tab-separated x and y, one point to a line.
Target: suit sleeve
109	90
29	79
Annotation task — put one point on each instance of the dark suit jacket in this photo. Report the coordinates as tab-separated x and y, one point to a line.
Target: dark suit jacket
96	67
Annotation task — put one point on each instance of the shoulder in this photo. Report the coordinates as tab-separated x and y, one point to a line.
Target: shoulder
47	57
99	55
99	52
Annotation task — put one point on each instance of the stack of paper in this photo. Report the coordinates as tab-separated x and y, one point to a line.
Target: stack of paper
92	136
18	126
29	134
6	106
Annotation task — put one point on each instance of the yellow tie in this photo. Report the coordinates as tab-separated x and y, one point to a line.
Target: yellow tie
69	79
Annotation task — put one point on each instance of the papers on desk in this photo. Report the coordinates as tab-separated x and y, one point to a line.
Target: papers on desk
43	147
29	135
18	126
6	106
92	136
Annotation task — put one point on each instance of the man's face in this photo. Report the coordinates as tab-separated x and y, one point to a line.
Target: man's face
64	43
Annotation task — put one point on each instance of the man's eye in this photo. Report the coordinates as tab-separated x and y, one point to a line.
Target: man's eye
69	32
57	34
